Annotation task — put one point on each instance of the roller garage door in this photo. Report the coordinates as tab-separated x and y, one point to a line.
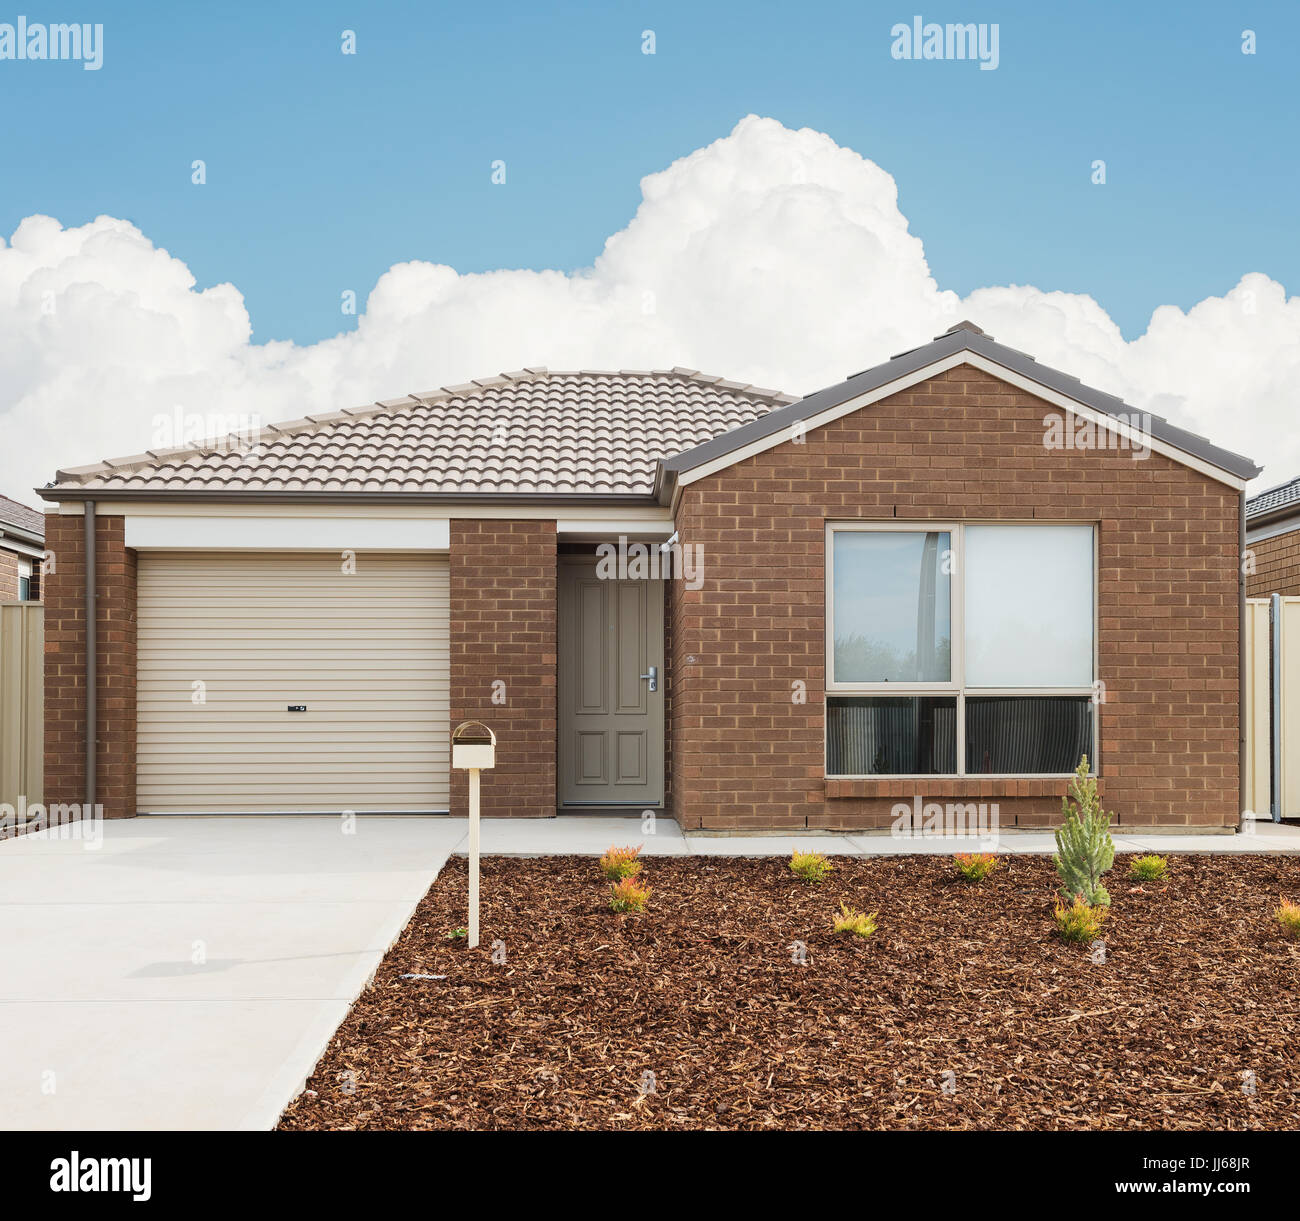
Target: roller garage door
230	642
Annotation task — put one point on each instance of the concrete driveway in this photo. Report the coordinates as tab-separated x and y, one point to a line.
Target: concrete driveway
188	972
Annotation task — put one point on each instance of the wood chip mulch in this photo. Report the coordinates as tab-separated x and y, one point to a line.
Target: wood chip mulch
963	1011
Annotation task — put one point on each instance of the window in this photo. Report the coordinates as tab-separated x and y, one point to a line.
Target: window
959	649
24	580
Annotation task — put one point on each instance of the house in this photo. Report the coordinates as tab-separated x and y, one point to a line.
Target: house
1273	537
22	545
942	580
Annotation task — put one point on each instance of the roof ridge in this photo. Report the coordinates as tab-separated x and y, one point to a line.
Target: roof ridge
320	421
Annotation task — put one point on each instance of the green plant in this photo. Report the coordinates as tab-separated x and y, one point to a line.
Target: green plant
850	920
810	867
1084	847
1079	921
628	895
455	934
1149	869
620	863
1288	916
975	866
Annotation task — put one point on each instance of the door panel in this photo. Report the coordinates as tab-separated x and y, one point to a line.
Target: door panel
610	723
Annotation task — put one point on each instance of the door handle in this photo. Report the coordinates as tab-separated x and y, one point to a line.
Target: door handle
653	676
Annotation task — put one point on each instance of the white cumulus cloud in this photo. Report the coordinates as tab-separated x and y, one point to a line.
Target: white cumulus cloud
772	256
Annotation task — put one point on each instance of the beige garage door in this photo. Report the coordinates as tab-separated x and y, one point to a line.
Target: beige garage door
229	643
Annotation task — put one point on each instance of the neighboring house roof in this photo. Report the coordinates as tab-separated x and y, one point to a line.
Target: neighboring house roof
1274	504
634	434
965	337
538	432
17	519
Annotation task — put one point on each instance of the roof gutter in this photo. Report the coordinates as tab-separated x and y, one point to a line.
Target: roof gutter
1280	514
73	494
92	728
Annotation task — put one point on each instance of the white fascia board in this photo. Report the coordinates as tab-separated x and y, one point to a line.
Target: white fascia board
286	534
1099	418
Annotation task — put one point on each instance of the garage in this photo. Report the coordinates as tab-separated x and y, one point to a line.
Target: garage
292	682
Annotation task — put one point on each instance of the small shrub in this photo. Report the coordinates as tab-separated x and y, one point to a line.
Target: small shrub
1149	869
620	863
974	866
1288	916
1084	848
853	921
1080	921
810	867
628	895
456	934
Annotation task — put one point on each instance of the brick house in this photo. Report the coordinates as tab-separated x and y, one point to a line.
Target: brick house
945	578
22	543
1273	536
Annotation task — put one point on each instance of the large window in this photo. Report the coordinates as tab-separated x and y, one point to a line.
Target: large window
960	650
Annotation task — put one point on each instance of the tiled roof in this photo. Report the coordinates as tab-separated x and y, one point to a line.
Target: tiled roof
1284	496
528	432
20	517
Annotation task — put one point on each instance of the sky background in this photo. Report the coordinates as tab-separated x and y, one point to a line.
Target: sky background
326	170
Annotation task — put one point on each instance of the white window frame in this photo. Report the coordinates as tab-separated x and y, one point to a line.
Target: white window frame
955	686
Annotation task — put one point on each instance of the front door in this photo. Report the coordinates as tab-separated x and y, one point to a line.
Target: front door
611	710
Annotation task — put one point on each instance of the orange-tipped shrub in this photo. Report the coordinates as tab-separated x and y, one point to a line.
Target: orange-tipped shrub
975	866
620	863
628	895
1079	921
1288	916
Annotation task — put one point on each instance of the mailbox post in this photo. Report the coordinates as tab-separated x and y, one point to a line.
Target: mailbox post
473	747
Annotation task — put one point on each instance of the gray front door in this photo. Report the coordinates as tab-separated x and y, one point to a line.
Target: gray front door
611	724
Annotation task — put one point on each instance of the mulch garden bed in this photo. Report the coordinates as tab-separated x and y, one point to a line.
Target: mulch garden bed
963	1011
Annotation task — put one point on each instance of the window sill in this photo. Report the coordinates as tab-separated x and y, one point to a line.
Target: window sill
965	787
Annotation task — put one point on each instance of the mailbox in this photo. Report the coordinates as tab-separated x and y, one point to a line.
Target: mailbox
473	746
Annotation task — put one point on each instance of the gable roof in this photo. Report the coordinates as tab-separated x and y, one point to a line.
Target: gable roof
19	519
1273	503
533	432
963	343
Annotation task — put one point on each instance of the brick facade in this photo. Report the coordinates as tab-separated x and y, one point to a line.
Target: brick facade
8	576
65	665
503	628
1277	566
961	446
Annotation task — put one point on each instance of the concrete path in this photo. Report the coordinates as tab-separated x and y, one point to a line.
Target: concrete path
188	972
590	835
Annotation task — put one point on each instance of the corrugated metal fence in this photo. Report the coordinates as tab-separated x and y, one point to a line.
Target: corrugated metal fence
22	702
1273	706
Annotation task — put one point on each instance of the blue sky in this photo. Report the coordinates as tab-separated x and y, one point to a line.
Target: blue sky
325	169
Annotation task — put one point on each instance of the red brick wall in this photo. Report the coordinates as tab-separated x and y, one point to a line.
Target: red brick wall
961	446
503	627
65	665
8	576
1277	566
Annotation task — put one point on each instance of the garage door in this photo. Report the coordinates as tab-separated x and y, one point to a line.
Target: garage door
229	643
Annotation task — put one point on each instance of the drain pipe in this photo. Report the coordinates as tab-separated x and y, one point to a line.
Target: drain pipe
91	666
1242	762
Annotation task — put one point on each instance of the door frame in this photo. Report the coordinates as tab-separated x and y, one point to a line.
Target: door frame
657	705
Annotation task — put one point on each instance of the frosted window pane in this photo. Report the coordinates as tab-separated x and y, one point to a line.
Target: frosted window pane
1029	597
